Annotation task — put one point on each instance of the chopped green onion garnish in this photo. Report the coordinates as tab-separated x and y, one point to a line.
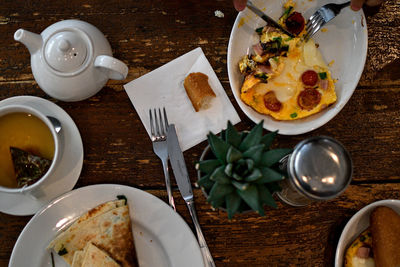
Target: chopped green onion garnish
293	115
259	30
276	59
278	40
261	76
322	75
285	15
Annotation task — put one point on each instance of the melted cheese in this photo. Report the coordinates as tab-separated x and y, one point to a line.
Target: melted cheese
285	82
284	85
312	56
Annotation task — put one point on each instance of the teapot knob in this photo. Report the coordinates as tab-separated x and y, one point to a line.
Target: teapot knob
67	51
64	45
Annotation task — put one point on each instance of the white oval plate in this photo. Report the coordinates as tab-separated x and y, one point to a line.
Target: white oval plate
162	238
345	42
357	224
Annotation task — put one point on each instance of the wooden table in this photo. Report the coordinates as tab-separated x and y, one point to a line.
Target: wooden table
146	35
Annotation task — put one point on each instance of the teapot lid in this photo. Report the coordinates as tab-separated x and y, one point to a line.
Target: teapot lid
66	51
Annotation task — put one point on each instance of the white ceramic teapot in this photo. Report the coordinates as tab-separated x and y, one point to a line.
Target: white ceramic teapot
71	60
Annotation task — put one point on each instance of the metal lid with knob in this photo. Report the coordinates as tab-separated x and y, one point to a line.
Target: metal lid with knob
320	168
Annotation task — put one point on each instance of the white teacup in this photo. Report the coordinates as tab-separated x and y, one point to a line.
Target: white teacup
34	189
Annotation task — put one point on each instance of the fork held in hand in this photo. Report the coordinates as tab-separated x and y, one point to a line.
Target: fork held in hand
159	128
322	16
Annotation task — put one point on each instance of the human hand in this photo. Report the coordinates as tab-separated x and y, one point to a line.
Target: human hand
239	4
357	4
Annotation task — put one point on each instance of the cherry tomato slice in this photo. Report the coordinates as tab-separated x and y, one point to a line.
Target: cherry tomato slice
271	102
295	23
309	78
309	98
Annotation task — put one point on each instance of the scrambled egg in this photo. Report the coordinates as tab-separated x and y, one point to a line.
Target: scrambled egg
351	258
286	78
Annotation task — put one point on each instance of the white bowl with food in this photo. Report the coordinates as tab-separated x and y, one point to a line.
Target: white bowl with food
342	45
359	227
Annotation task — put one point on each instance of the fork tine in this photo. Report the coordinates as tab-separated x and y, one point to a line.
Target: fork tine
306	37
165	119
313	16
316	29
151	123
316	20
162	129
309	24
156	122
313	27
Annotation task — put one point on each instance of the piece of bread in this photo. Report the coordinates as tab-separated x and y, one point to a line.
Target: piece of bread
385	230
198	90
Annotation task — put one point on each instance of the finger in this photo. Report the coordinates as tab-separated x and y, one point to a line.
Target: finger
373	2
356	4
239	4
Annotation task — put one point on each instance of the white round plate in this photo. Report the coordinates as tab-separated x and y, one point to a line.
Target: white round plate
345	42
357	224
65	176
162	238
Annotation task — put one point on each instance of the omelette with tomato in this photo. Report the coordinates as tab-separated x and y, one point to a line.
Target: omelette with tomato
286	77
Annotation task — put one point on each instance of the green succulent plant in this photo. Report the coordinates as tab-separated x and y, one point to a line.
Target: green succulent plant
243	172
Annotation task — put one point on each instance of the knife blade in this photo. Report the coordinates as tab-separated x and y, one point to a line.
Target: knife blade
182	179
178	164
267	19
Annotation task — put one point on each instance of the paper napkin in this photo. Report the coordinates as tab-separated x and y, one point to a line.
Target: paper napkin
163	87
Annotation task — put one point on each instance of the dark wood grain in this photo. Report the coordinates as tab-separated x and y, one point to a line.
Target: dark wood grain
286	236
148	34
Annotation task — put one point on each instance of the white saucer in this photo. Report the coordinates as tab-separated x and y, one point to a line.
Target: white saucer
65	176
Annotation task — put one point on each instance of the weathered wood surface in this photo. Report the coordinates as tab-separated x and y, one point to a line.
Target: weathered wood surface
146	35
287	236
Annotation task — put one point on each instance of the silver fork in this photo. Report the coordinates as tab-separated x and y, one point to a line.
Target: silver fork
159	128
322	16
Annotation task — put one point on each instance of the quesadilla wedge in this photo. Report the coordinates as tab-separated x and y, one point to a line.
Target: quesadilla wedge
95	257
107	226
78	258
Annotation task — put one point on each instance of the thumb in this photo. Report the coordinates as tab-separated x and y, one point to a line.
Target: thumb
239	4
356	4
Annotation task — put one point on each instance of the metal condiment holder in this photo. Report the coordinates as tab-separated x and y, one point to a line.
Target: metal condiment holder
320	168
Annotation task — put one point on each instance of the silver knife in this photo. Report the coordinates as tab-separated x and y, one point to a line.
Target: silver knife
182	179
267	19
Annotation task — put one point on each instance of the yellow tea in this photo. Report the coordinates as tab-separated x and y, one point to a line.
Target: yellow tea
26	132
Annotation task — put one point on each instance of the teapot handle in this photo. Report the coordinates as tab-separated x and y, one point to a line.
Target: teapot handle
117	70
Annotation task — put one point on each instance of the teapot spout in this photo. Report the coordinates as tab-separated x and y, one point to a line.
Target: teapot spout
31	40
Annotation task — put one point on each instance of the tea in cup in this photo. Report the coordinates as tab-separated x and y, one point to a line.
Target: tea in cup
29	149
